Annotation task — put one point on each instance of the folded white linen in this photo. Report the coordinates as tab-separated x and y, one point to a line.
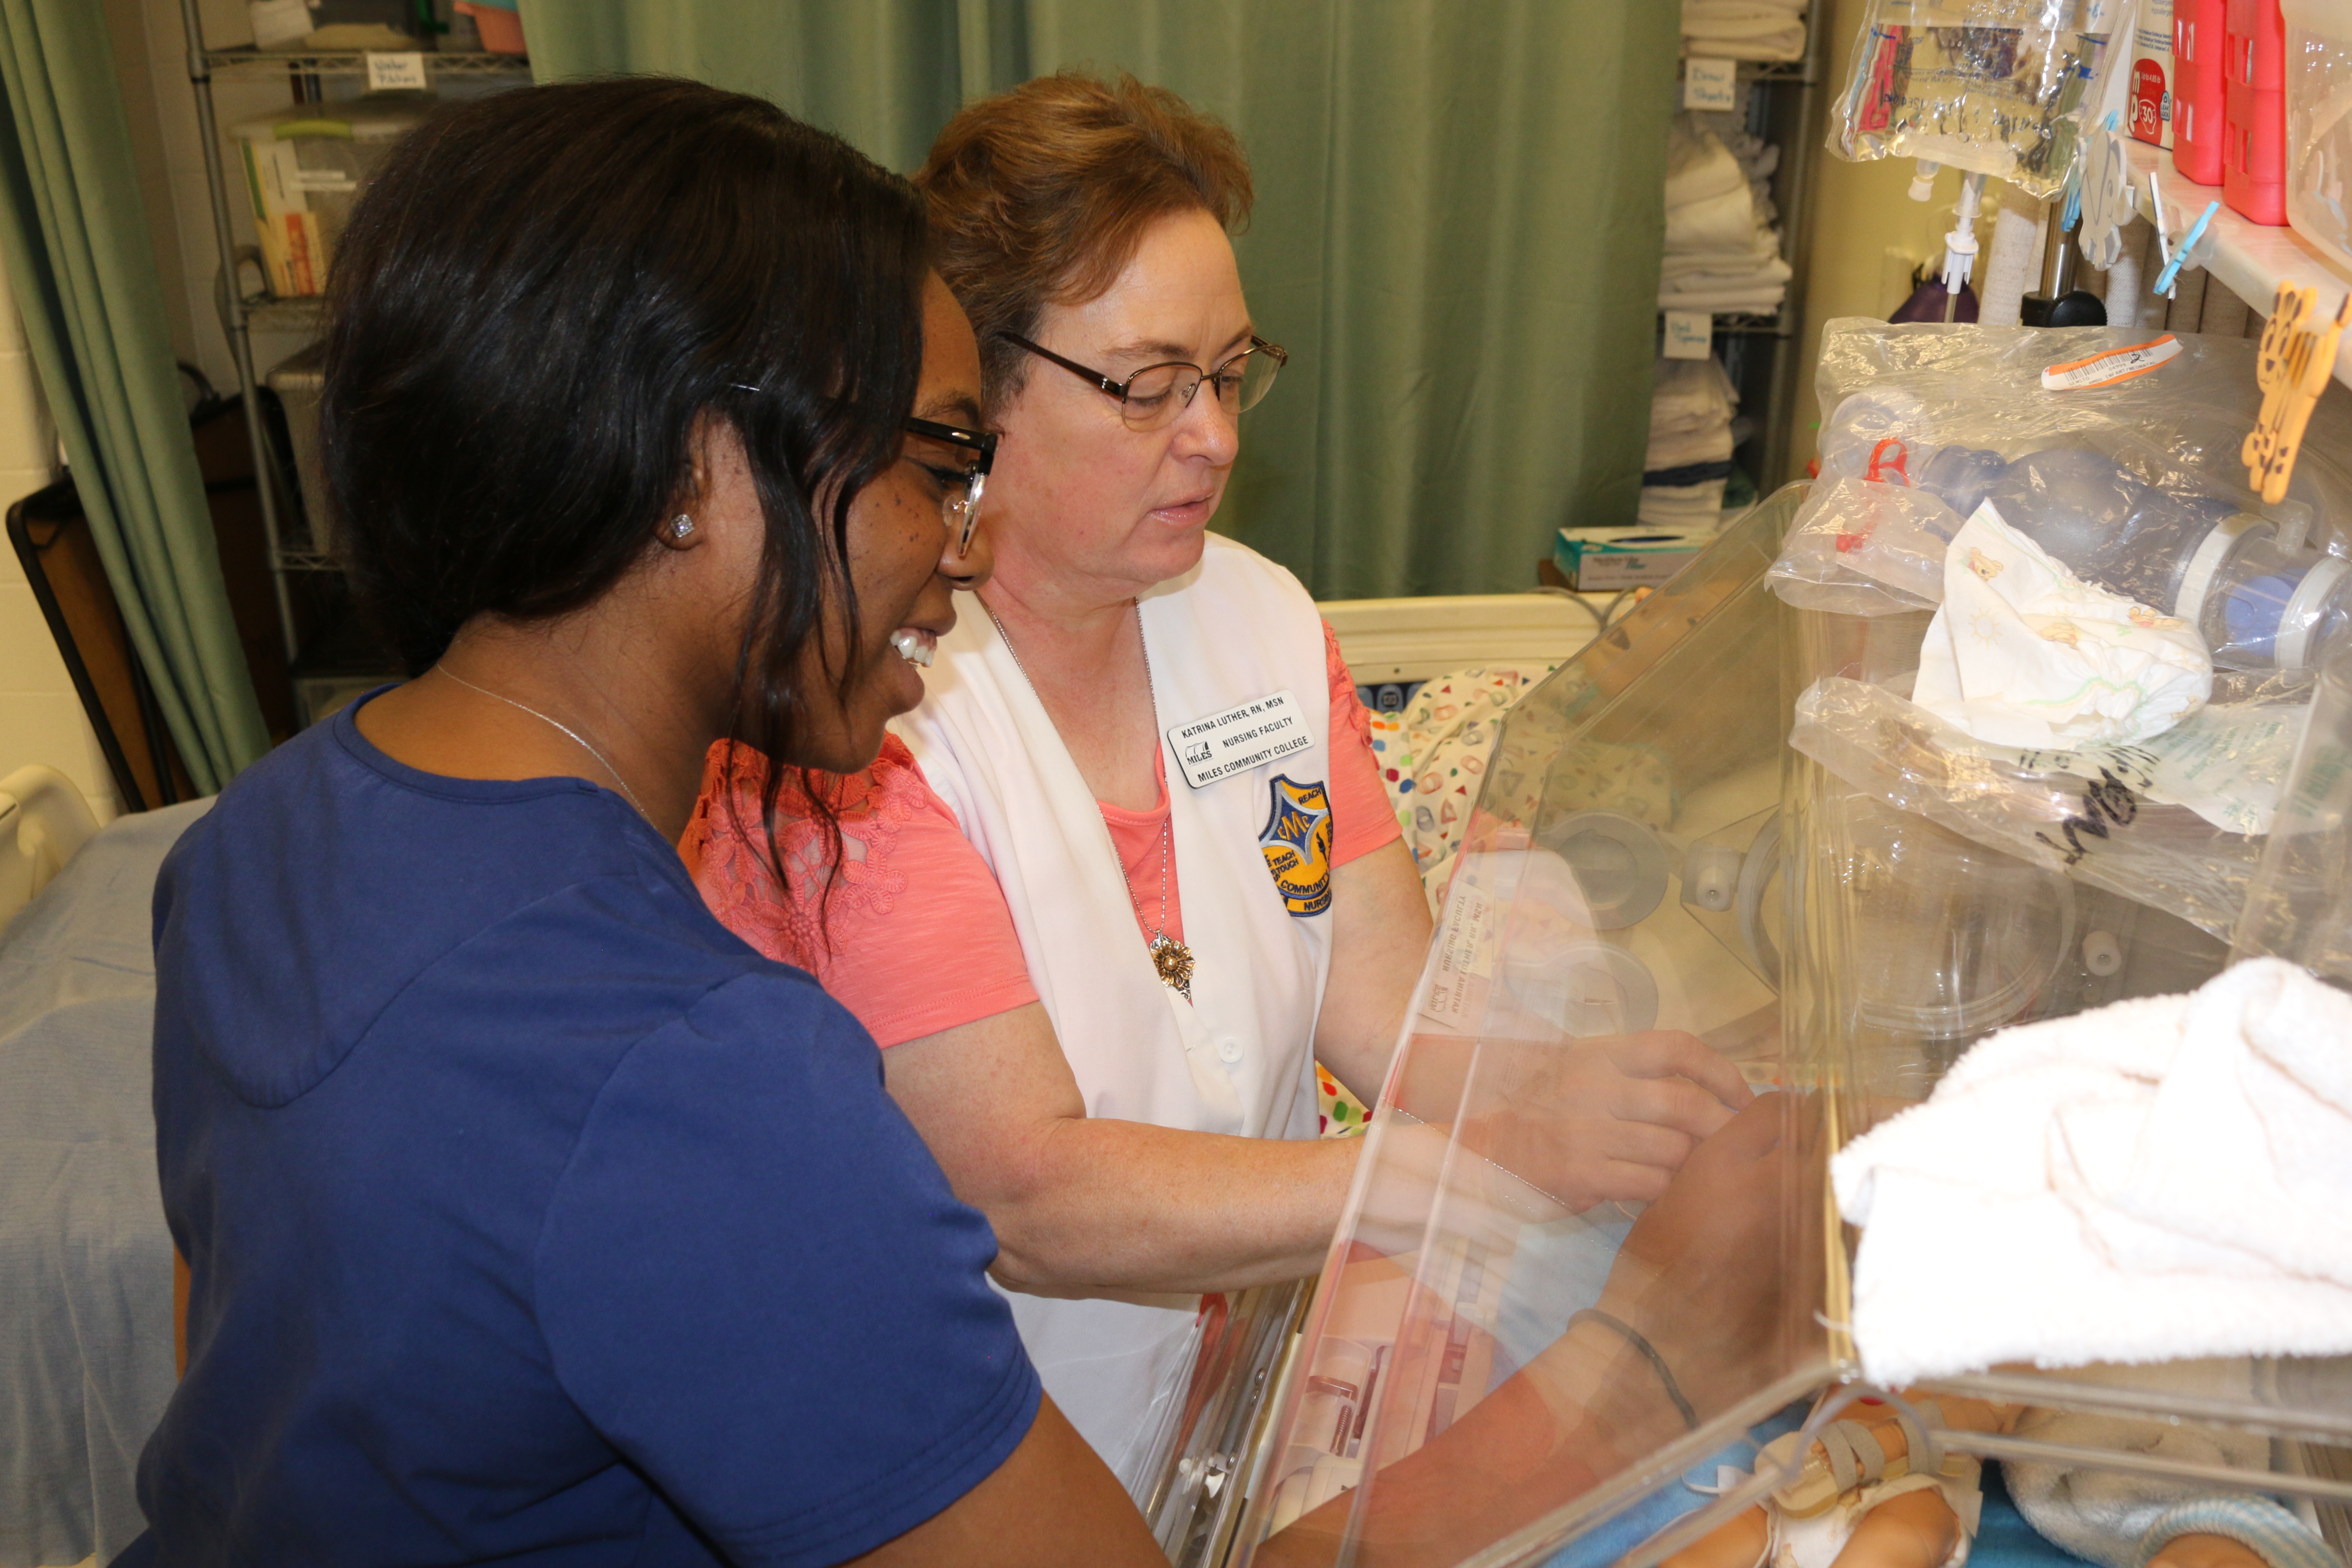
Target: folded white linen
1723	272
1688	394
1743	29
1677	449
1723	221
1682	506
1699	164
1786	45
1762	301
1762	250
2162	1178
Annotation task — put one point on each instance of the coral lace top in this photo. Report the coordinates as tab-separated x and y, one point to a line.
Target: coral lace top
915	937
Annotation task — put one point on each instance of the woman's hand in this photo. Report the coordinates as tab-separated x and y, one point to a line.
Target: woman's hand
1705	1274
1607	1119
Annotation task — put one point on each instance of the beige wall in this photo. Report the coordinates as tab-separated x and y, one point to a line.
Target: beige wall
41	719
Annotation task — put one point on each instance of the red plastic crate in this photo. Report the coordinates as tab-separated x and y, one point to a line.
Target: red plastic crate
2253	135
2198	108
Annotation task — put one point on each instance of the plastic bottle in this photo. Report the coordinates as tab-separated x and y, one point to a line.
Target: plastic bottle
2257	599
1960	476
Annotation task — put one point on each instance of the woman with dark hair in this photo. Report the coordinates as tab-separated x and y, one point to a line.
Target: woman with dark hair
529	1215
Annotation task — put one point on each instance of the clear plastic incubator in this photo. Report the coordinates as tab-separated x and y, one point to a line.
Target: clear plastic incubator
1553	1330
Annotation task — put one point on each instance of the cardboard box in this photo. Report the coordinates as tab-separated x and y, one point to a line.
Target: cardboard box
1597	560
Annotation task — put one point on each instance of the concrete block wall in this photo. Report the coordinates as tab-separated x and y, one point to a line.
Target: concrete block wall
41	718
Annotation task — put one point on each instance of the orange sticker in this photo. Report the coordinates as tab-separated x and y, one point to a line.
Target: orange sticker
2106	368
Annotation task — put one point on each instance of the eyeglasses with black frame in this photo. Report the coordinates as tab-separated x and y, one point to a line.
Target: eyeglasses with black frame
1159	393
959	505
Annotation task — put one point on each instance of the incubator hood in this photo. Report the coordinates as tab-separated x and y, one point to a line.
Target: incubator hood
1650	860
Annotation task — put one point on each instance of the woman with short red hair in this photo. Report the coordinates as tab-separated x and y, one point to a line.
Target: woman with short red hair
1133	708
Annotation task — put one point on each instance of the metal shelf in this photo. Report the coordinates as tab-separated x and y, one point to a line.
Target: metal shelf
249	62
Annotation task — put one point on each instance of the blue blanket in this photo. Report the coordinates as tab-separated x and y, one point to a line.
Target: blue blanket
86	1356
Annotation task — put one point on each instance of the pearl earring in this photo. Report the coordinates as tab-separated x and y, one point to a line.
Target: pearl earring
680	526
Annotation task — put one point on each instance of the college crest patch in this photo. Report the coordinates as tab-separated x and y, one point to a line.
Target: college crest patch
1298	844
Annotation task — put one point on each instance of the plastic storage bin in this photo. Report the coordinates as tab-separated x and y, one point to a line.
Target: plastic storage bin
2319	125
2253	96
298	381
304	166
497	23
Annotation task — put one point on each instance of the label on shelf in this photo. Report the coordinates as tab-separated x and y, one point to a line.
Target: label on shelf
1711	84
1690	334
396	72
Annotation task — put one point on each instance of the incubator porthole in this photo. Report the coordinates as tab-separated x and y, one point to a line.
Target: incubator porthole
1620	866
1585	989
1951	939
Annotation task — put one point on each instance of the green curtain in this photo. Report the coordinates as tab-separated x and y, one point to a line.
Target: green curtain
1457	230
83	271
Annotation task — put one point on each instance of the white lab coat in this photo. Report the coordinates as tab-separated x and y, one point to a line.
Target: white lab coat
1237	1058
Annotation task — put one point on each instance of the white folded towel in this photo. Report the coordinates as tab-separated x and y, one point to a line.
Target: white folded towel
2162	1178
1723	221
1689	395
1762	298
1678	449
1744	29
1699	164
1680	506
1762	255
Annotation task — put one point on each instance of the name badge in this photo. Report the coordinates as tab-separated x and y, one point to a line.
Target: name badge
1239	739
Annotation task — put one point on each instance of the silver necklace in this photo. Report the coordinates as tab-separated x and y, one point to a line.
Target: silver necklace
1170	959
575	735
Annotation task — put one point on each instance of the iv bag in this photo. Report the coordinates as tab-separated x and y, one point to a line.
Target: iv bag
1987	86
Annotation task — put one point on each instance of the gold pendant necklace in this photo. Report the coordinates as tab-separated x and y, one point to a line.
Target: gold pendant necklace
1170	959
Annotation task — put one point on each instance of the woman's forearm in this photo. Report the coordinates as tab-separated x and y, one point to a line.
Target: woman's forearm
1088	1205
1126	1205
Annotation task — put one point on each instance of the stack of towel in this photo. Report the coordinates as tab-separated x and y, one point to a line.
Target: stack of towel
1745	29
1722	251
2163	1178
1691	440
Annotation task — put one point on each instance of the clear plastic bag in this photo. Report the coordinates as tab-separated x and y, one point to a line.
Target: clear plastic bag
1989	86
2171	823
2137	484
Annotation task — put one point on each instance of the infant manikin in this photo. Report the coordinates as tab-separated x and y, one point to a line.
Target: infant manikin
1859	1503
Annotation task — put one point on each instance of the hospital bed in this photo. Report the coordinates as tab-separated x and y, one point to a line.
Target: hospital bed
1394	644
85	1348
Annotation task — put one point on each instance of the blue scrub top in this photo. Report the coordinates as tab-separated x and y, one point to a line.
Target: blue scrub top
533	1217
